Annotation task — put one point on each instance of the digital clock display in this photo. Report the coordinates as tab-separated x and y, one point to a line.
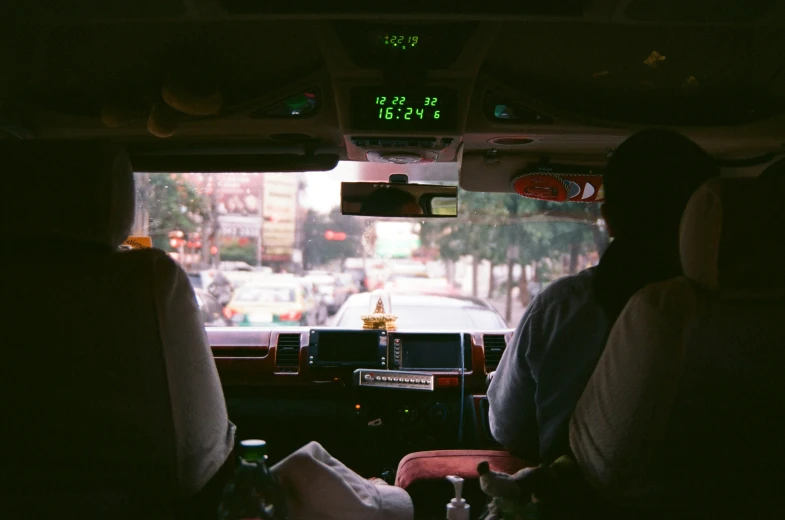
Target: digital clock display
400	41
426	108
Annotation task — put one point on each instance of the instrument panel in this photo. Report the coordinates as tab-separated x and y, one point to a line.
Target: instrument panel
389	350
305	357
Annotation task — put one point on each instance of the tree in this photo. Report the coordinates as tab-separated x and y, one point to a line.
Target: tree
507	228
174	205
233	250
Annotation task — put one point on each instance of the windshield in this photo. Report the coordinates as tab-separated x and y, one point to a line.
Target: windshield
264	294
428	317
232	231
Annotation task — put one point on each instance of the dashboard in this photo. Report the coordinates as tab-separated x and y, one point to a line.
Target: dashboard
369	396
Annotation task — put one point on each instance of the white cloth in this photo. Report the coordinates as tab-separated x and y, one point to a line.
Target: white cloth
320	487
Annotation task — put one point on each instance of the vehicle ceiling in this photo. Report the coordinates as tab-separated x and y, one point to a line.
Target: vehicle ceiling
588	72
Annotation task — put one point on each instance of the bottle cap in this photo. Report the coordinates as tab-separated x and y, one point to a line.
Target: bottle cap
457	509
253	450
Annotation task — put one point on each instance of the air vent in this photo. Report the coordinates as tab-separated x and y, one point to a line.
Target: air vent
494	348
240	352
288	352
396	142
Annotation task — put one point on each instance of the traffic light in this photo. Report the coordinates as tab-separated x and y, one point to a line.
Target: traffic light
176	239
334	235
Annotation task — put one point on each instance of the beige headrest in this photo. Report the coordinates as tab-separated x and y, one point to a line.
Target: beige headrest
81	192
731	237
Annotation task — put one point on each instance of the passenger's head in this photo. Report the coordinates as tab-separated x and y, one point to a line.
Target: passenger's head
649	180
391	201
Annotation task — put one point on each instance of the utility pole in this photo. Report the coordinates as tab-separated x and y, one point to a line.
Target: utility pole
513	253
261	226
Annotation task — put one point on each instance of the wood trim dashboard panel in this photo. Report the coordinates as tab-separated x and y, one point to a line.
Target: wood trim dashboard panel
247	357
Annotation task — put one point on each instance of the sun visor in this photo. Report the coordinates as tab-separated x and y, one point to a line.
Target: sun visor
560	184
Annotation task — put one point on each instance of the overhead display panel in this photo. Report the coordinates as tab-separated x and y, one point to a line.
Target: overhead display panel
395	44
404	108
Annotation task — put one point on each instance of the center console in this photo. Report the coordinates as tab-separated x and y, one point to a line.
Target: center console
394	379
382	350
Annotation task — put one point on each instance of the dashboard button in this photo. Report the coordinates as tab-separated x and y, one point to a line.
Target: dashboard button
368	377
438	413
378	378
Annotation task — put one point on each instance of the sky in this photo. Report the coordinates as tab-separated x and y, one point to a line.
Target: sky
323	189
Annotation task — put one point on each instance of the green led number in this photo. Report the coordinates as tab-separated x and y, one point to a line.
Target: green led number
420	112
408	114
388	113
401	41
427	102
436	114
380	100
430	101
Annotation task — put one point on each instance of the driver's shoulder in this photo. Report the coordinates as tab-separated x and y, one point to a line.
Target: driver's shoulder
578	287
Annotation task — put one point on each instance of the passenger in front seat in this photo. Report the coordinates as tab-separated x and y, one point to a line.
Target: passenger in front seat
555	349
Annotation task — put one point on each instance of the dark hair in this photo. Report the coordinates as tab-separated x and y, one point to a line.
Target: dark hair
649	180
387	201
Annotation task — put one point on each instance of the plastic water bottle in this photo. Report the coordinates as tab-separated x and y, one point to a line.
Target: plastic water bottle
253	493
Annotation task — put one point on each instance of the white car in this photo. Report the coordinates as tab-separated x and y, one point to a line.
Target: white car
425	312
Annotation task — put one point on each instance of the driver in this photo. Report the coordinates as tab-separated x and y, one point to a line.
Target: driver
554	351
392	202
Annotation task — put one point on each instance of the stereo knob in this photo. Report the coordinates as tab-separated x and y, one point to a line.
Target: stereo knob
367	377
438	413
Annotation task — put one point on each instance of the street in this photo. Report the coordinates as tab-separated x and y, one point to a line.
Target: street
517	309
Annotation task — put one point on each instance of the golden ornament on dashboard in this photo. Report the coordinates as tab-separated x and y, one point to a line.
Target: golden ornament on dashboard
381	317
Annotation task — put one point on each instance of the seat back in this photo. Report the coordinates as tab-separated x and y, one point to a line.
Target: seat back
685	411
112	402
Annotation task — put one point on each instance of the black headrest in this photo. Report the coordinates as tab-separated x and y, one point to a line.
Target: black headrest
75	191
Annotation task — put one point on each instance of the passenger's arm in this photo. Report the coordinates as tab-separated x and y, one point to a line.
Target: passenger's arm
513	412
205	437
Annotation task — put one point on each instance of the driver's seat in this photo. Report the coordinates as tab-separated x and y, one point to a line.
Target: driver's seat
685	412
112	406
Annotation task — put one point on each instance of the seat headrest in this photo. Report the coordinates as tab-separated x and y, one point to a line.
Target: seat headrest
731	237
80	192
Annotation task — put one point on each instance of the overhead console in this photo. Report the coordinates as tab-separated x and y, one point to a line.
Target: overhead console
404	109
424	45
403	88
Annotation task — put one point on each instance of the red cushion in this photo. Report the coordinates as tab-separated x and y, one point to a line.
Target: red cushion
435	465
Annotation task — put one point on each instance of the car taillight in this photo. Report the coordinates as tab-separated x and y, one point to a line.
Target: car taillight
290	316
229	312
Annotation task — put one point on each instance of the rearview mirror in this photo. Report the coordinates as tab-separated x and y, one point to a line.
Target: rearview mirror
381	199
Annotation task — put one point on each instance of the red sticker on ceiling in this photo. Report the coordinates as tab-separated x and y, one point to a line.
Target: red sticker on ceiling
560	187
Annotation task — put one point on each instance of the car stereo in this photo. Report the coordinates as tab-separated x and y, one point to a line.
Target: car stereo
341	348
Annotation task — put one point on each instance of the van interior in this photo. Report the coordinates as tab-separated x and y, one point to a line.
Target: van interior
197	94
